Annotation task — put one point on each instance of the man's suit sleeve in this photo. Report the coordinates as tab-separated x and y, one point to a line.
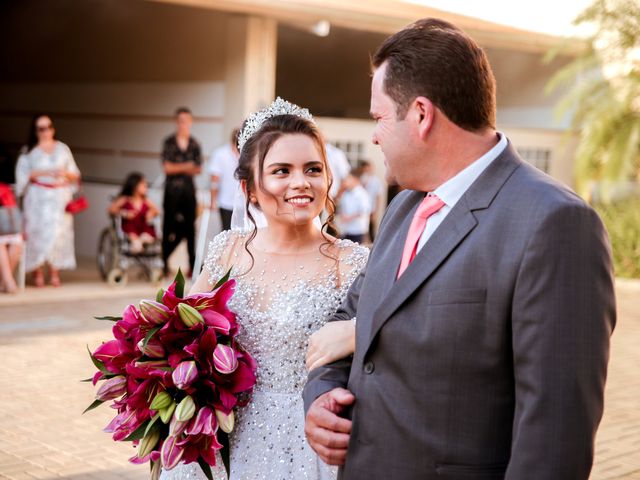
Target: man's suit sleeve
562	318
336	374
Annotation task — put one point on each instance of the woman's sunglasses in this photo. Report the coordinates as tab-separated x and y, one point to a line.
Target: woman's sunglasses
45	128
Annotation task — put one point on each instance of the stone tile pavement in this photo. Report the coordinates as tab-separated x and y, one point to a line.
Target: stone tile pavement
43	356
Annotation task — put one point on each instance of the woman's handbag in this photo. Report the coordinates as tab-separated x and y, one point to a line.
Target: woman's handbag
78	203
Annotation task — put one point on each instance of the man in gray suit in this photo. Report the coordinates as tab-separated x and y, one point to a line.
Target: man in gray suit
482	341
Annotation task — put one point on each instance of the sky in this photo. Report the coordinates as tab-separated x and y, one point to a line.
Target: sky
546	16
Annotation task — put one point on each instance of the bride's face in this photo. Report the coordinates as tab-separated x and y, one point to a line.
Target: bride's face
294	181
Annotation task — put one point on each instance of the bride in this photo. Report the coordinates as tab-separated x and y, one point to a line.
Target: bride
291	276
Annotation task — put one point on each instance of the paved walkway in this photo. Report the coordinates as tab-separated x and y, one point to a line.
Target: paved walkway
43	356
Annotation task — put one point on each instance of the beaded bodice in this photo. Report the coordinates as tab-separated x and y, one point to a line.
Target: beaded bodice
280	300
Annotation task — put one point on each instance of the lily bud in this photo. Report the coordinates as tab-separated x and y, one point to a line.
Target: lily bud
153	348
160	401
112	388
185	374
160	363
165	413
176	427
189	315
148	443
224	359
170	454
203	423
185	409
225	421
154	312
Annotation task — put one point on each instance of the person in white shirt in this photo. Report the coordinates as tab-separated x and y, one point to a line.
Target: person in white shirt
339	166
354	210
221	167
373	186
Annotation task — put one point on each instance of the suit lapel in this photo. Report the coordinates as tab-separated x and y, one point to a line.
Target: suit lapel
389	250
448	236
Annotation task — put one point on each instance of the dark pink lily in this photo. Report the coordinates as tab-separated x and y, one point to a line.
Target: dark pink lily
204	423
185	374
112	388
170	453
204	446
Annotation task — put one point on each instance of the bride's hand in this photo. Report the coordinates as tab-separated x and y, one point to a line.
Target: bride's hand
335	340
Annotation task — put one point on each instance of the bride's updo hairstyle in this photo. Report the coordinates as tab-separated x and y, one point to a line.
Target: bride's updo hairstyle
256	148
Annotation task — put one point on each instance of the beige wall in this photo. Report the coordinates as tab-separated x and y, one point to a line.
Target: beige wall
111	74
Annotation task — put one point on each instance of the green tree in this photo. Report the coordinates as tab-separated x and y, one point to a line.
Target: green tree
604	95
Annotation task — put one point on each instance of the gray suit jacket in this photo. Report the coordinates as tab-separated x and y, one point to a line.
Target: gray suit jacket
487	359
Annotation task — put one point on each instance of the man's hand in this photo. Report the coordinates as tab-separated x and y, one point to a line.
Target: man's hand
327	433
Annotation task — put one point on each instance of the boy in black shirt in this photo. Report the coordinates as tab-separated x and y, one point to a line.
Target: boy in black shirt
181	161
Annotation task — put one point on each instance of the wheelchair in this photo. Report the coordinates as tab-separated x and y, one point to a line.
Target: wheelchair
115	256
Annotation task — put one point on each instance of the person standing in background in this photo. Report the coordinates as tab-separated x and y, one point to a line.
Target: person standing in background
222	167
354	210
46	175
339	166
181	161
373	186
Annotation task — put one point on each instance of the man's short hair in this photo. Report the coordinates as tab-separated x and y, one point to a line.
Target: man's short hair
180	110
437	60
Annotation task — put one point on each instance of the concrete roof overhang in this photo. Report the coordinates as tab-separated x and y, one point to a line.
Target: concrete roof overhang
385	16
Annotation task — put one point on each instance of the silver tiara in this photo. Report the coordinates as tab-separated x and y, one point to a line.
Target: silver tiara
279	107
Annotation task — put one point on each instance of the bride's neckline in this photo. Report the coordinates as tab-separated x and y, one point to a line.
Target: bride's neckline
315	249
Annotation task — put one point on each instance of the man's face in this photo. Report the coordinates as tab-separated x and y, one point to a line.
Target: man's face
390	133
183	122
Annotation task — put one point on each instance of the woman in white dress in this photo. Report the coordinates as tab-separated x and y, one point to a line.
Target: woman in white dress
291	276
46	175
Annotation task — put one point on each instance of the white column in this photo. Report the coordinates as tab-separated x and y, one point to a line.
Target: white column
250	78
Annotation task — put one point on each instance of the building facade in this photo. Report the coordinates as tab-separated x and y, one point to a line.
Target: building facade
111	72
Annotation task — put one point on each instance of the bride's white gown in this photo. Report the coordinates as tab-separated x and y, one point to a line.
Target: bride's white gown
279	303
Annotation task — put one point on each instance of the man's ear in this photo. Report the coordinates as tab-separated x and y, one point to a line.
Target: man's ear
423	112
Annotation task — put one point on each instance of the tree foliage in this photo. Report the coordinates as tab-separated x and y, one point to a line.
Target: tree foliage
604	96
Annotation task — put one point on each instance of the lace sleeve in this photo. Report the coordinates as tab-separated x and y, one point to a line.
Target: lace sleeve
353	260
217	261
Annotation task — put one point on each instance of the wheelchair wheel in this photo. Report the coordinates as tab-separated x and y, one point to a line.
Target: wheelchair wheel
117	278
107	252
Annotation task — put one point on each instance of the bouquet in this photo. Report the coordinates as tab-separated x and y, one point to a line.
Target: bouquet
174	372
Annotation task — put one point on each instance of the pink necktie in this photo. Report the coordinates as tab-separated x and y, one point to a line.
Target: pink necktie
430	205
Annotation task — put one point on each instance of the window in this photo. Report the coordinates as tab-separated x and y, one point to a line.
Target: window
353	149
538	157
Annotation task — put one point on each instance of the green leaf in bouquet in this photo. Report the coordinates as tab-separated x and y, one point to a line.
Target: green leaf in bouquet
206	468
179	284
159	295
110	318
90	379
223	438
95	404
138	433
99	365
223	280
149	335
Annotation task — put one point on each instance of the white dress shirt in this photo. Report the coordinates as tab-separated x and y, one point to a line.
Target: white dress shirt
223	164
452	190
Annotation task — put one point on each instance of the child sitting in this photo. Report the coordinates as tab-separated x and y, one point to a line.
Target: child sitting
137	212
